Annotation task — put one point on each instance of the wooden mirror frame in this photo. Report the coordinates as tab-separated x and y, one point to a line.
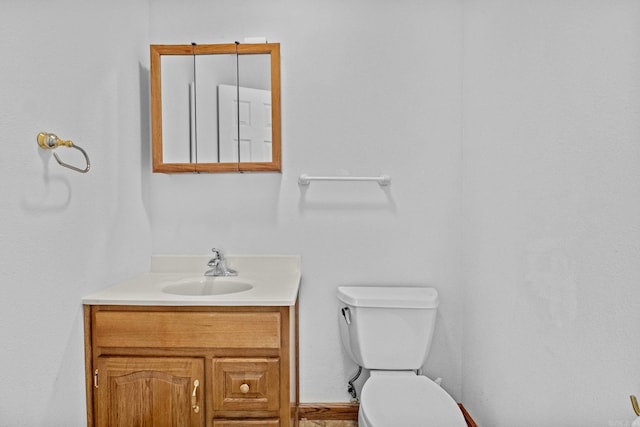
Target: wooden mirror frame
273	49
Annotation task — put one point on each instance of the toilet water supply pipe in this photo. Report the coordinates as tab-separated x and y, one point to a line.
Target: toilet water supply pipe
351	388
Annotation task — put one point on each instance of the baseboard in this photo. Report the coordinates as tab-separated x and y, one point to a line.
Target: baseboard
328	411
467	417
348	412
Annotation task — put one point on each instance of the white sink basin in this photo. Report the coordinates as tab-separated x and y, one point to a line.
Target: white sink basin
205	285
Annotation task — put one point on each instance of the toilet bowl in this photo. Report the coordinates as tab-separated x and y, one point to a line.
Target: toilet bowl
405	399
388	330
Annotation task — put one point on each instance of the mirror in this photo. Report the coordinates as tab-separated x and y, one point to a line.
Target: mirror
215	108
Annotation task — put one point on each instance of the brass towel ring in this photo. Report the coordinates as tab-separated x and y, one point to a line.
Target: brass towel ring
50	141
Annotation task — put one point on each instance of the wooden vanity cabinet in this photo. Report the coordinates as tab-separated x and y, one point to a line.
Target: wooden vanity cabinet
190	366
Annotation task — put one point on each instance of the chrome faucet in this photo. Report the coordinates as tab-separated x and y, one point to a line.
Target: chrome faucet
218	265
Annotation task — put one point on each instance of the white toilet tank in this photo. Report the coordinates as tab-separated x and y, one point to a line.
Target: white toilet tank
387	327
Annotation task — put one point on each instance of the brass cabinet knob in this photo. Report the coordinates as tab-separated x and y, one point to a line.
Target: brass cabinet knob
244	388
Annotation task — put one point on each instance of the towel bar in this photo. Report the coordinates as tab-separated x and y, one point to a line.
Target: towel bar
383	180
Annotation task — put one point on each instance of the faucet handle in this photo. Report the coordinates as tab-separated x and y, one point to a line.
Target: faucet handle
217	258
217	253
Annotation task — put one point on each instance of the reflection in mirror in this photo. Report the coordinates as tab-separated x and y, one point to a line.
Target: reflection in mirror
254	109
213	72
215	108
190	105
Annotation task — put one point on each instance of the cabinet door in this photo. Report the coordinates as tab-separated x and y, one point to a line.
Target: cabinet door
149	391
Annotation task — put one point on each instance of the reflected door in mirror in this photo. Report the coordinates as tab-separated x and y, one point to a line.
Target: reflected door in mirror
249	117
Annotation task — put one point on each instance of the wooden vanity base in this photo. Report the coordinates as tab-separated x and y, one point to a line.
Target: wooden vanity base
190	366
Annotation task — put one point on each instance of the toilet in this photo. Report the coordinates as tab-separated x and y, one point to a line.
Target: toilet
388	330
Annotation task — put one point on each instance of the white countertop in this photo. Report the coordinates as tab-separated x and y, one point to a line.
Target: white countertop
275	280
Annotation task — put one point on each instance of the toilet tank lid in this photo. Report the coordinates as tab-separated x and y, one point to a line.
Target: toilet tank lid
389	296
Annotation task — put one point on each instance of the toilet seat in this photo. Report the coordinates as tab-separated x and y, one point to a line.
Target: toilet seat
407	400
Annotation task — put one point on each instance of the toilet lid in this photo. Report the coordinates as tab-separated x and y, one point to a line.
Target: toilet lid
416	402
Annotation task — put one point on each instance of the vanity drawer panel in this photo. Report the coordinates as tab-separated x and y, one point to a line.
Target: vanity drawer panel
246	384
247	423
187	329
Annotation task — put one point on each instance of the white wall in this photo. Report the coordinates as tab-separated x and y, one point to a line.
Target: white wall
544	163
368	87
551	211
70	67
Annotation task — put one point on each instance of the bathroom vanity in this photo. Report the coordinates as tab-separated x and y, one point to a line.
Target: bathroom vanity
162	351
